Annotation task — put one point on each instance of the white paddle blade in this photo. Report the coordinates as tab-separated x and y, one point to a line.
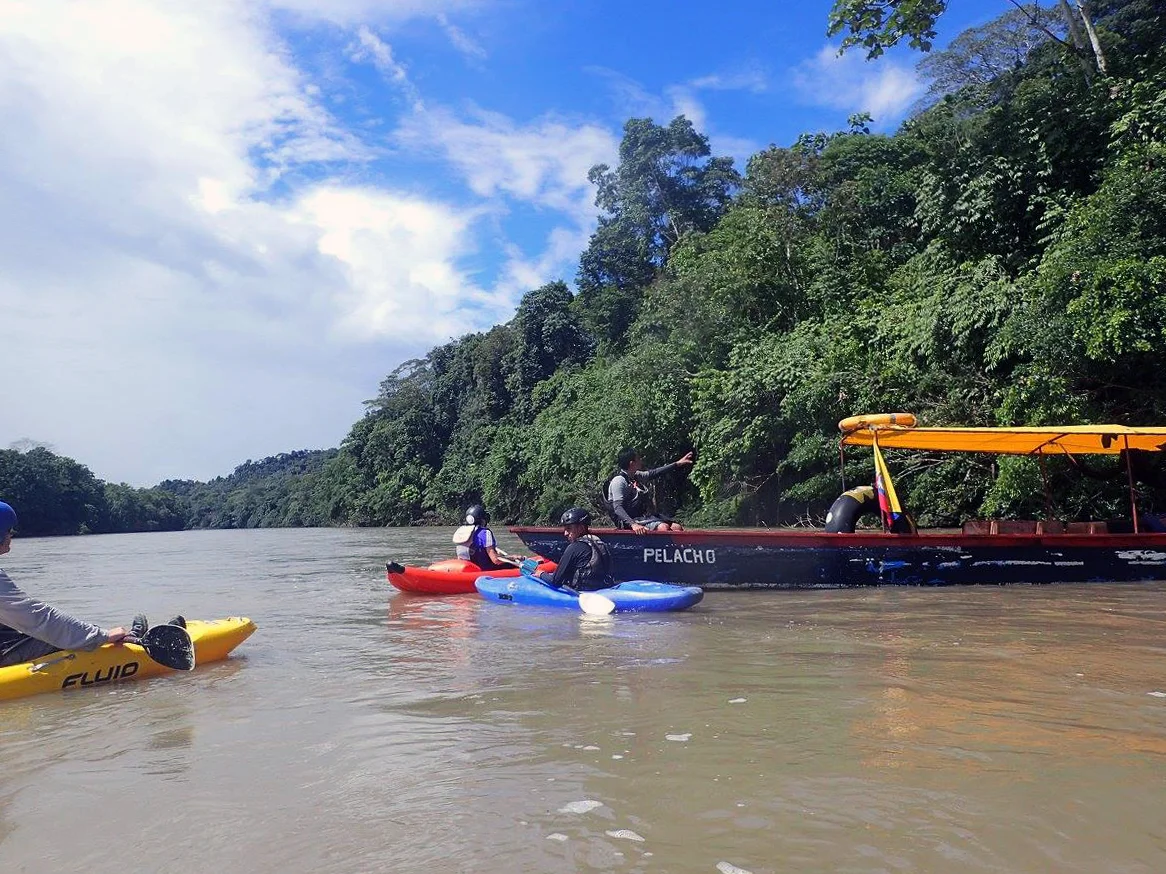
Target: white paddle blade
595	604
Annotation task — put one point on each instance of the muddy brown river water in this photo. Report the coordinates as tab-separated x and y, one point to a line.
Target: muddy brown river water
1014	729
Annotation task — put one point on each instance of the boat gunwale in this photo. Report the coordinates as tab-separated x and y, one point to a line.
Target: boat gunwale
795	537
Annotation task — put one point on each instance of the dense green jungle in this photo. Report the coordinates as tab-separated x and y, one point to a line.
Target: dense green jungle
999	260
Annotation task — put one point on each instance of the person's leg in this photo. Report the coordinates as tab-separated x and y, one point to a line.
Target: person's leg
26	651
655	523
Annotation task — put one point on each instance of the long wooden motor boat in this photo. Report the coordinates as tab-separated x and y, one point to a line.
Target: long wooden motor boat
983	552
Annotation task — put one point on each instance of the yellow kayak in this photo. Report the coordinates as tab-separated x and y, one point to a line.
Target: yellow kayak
73	669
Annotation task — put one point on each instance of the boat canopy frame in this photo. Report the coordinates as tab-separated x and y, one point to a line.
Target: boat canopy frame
898	431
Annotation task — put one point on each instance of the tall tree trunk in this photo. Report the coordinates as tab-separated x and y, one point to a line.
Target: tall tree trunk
1080	46
1087	19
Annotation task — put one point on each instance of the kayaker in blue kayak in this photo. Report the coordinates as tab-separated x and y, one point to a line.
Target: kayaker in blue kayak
627	493
475	542
586	562
29	628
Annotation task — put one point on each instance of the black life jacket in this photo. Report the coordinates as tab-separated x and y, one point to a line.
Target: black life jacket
596	574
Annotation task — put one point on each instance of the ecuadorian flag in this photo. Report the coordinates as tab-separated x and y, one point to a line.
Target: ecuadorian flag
889	506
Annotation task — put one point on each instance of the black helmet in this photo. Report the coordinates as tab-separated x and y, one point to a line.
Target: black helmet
477	515
576	516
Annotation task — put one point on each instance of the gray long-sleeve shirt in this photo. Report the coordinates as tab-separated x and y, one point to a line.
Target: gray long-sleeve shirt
26	615
626	493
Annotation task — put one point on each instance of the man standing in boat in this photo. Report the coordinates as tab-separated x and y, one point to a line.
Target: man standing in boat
29	628
627	493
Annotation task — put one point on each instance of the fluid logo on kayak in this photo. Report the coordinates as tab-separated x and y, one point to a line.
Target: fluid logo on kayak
674	555
117	672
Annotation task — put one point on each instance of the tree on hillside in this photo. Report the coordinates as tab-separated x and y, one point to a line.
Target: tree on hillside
396	448
666	185
53	494
1095	323
547	335
472	391
134	510
981	57
877	25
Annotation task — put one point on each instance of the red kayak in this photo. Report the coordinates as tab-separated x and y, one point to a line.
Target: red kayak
454	576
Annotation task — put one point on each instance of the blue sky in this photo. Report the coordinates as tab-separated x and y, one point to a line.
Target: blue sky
226	222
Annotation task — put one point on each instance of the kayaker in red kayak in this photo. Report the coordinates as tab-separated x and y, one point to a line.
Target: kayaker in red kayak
29	628
475	542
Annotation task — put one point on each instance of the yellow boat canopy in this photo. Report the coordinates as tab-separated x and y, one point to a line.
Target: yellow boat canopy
1046	440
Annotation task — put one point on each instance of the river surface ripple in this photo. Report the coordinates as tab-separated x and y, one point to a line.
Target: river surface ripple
1009	729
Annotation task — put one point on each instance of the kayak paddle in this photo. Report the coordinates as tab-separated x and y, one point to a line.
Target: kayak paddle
168	645
595	604
591	603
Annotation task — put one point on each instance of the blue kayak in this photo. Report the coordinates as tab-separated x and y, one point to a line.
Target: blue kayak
630	597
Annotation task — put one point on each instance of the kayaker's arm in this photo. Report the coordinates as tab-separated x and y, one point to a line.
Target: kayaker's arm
645	475
498	556
515	560
564	574
44	622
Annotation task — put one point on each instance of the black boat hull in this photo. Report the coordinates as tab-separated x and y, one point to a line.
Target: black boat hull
748	559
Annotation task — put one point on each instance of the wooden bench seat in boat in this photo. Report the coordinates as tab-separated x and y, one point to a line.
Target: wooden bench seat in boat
1087	528
1032	526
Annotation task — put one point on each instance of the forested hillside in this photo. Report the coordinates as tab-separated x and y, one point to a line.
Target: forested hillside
56	495
277	492
1000	259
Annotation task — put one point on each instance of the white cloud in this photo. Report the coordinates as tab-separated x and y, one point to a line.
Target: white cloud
460	40
352	12
562	249
744	80
685	102
399	257
633	99
181	283
543	163
849	82
370	47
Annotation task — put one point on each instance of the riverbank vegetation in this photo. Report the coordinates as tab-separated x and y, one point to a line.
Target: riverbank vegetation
56	495
999	260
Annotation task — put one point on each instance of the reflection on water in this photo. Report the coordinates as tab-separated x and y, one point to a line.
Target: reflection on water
361	729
